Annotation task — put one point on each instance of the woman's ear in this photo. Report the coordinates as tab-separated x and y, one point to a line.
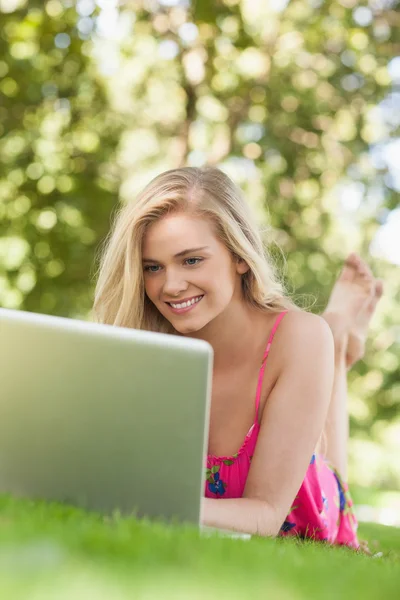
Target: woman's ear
241	266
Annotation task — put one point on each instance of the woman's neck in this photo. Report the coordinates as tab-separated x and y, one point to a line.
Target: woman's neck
234	335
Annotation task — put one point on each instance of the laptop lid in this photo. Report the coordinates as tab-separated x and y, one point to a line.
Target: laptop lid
103	417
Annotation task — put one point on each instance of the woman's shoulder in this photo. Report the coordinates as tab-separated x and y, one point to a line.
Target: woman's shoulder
301	319
299	329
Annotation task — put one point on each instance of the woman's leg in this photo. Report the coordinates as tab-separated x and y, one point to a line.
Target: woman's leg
350	307
336	428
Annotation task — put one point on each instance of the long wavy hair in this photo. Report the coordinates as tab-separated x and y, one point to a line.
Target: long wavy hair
120	297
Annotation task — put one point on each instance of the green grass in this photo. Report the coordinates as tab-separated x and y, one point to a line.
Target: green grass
55	552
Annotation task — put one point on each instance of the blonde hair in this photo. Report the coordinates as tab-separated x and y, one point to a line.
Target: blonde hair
120	297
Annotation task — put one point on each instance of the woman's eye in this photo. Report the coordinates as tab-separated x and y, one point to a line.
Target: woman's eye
152	268
193	261
190	262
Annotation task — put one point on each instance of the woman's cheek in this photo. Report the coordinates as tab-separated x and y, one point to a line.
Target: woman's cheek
149	289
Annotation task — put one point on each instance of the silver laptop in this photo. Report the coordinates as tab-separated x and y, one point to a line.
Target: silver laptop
106	418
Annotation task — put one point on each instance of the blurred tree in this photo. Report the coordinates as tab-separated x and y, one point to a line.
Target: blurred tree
57	180
294	100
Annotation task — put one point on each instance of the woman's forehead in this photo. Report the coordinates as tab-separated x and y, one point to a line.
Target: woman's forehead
179	229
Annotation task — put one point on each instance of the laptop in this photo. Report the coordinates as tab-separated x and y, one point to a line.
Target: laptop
106	418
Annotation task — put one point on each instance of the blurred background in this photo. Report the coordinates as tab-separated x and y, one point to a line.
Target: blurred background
297	100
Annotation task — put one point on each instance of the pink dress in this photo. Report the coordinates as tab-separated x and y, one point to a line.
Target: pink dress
322	508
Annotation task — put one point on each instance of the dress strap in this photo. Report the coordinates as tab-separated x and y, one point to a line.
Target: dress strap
264	360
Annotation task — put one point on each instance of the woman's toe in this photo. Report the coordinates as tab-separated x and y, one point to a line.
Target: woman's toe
378	288
352	260
350	268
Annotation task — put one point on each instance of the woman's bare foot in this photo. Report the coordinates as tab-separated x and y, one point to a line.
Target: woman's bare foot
358	334
351	294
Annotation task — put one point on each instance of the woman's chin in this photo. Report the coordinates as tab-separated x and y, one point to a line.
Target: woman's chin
186	329
189	327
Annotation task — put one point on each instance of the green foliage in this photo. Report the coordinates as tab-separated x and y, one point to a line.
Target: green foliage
284	100
57	180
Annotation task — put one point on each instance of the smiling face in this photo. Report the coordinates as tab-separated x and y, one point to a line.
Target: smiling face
189	275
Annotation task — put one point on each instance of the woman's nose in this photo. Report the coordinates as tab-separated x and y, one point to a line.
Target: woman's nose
174	285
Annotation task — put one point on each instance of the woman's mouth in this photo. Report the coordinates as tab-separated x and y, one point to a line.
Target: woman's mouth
184	307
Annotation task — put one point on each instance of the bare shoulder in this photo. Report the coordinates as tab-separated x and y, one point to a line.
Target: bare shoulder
301	331
298	322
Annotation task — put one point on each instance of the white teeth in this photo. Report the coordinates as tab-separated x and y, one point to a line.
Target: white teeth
186	304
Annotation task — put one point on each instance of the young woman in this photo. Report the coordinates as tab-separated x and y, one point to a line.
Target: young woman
187	259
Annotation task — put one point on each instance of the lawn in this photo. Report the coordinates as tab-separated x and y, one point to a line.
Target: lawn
55	552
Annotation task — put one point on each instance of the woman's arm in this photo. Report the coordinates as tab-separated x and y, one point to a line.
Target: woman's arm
292	422
245	515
